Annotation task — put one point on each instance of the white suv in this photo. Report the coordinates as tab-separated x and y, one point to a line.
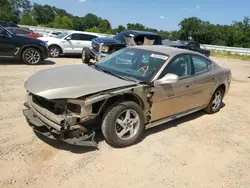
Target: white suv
70	42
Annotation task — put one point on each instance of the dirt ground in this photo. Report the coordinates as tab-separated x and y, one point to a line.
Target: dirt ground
210	151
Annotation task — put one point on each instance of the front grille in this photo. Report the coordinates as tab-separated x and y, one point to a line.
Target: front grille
96	46
51	105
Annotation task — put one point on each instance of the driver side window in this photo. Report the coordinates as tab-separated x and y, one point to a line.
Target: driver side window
180	66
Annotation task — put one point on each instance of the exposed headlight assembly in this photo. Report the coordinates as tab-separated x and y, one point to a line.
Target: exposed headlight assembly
105	48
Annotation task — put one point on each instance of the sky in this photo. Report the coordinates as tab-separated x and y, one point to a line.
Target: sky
158	14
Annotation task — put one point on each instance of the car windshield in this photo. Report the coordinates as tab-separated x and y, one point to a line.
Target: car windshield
137	64
60	36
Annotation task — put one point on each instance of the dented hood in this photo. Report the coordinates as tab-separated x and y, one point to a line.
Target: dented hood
72	81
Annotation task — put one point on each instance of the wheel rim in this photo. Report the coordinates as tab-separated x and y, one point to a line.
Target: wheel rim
217	100
32	56
127	124
54	52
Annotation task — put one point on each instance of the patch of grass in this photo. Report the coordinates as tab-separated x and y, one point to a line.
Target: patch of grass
225	54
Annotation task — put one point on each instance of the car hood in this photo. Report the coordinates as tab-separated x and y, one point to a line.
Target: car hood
72	81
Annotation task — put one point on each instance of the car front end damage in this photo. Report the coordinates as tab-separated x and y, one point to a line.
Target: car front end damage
72	120
60	119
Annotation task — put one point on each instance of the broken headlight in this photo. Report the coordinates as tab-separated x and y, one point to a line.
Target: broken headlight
79	107
105	48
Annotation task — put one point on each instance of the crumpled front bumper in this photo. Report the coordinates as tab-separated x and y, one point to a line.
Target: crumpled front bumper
43	126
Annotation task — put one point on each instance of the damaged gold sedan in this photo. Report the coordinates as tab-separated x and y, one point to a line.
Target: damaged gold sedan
131	90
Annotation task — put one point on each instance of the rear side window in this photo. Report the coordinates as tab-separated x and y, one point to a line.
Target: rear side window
87	37
75	36
19	31
83	37
200	64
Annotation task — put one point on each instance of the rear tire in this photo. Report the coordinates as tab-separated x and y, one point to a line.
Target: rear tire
123	124
215	102
31	56
54	51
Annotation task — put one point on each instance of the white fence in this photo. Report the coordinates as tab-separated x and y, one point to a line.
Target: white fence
234	50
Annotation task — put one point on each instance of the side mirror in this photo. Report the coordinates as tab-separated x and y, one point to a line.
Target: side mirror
67	38
167	79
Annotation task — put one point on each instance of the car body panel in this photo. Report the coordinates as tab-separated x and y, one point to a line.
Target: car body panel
70	82
94	91
70	46
12	45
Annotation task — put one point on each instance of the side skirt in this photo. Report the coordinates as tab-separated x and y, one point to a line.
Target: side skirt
174	117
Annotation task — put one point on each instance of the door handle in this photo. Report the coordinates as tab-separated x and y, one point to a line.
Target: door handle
214	78
188	86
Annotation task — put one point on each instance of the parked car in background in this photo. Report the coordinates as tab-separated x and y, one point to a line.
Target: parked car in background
52	34
8	24
71	42
131	90
190	45
23	32
29	50
101	47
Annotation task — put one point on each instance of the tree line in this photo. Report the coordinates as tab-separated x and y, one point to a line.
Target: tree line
25	13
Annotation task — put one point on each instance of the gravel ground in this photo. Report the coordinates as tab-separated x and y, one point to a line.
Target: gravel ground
196	151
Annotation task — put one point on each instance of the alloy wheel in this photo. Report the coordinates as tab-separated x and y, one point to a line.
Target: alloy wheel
127	124
33	56
217	100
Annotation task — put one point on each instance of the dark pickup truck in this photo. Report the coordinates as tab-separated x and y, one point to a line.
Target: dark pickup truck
190	45
103	46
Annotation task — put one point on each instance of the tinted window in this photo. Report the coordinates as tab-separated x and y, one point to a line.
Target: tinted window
12	25
19	31
2	32
180	66
87	37
75	36
200	64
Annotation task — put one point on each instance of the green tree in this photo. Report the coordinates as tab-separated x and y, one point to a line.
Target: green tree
63	22
43	14
27	19
93	29
6	12
136	26
90	21
19	7
104	26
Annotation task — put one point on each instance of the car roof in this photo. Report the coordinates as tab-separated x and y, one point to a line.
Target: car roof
84	32
137	32
167	50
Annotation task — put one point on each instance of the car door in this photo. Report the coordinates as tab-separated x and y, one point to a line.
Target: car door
170	99
7	45
205	79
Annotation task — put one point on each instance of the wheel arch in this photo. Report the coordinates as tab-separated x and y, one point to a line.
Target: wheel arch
103	105
223	87
29	46
56	45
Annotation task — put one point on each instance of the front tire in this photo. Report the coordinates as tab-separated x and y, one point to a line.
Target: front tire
216	101
85	55
123	124
31	56
54	51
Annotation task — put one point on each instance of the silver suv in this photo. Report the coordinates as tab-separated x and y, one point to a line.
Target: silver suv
69	42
